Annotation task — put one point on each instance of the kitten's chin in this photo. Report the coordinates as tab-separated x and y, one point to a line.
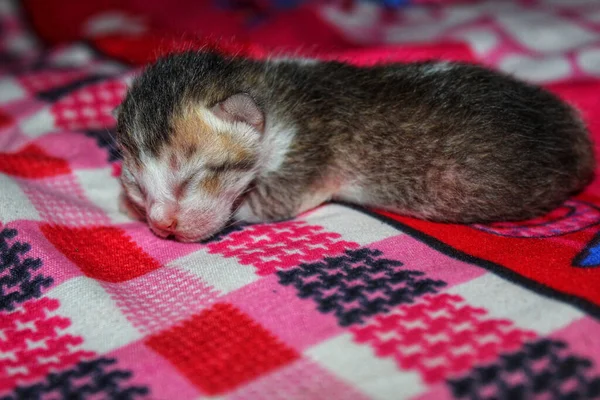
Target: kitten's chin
193	236
185	239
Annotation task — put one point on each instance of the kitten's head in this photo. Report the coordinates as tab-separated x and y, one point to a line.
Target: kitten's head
186	159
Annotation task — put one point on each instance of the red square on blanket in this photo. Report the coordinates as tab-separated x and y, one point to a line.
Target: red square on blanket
105	253
32	162
221	349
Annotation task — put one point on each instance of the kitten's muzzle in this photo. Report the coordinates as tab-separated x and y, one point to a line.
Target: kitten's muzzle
164	227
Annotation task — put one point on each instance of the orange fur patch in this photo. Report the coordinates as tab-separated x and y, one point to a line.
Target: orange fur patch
211	185
194	137
190	130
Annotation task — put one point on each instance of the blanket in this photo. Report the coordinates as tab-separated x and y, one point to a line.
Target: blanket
342	302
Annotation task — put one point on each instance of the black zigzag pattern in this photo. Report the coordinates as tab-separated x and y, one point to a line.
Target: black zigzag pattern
55	94
105	138
358	284
18	281
542	369
86	380
233	227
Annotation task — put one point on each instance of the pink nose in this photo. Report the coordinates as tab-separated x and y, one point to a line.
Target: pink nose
167	225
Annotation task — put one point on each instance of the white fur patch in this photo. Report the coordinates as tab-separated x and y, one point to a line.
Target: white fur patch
275	146
313	200
218	125
293	60
352	193
156	177
439	67
245	213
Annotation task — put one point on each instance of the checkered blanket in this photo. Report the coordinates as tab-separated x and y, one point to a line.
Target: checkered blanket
342	303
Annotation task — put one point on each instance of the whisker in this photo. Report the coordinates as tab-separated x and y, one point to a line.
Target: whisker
112	144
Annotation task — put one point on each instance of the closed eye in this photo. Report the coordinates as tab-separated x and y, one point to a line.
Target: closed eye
139	188
179	190
132	183
230	166
217	169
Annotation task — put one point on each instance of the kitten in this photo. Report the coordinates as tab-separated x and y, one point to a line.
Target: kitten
205	136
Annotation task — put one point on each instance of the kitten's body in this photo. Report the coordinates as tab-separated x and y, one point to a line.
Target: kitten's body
446	142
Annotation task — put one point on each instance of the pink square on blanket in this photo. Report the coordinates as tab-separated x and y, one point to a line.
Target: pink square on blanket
79	150
269	303
439	391
161	298
276	246
90	107
162	250
61	200
221	348
418	256
440	336
41	81
149	368
300	380
583	338
21	109
18	134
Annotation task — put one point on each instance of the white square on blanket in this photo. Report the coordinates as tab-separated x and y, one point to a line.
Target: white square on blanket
39	123
94	315
544	32
353	225
103	190
224	274
14	203
525	308
357	364
10	90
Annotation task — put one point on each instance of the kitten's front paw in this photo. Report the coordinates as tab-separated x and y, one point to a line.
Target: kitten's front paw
245	214
257	207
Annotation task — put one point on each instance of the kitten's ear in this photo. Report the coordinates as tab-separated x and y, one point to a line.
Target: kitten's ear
240	107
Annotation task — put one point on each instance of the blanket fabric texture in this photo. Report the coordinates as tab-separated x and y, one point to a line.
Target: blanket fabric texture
340	303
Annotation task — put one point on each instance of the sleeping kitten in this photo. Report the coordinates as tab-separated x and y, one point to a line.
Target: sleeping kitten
205	136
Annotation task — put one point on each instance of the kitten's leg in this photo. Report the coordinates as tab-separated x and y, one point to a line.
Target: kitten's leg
275	201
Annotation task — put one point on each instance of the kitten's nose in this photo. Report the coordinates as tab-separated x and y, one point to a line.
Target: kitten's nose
163	219
168	225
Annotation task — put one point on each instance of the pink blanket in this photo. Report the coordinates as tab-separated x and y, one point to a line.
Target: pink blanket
341	303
